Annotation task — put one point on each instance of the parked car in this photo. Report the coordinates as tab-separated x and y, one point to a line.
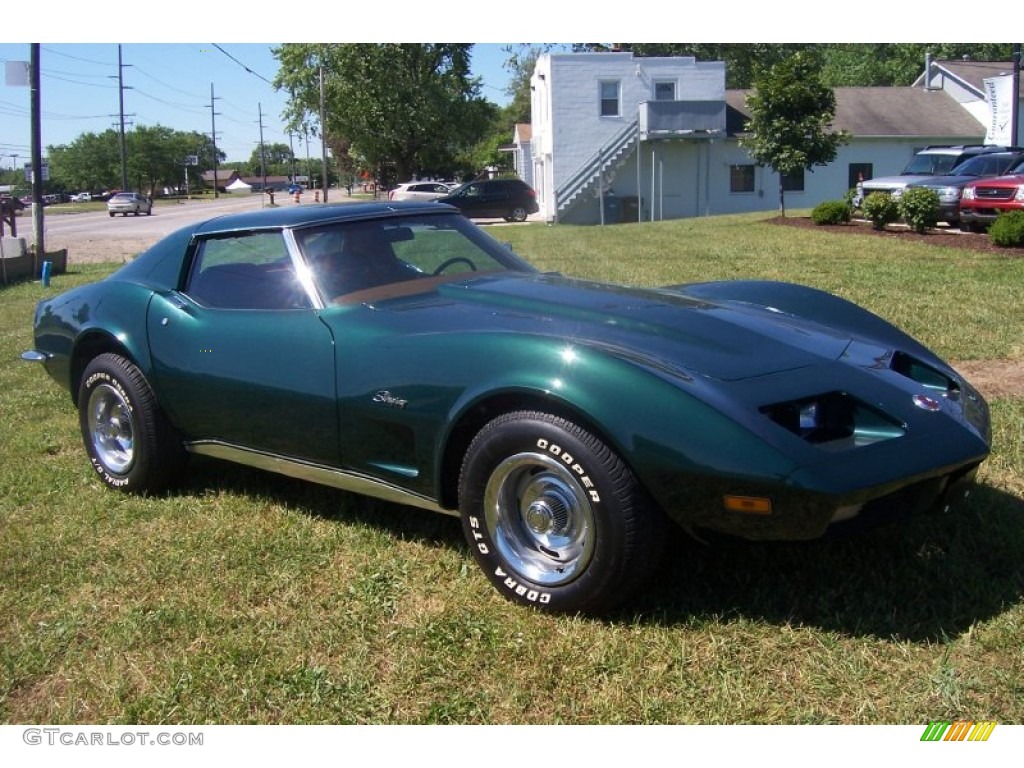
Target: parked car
936	160
950	186
129	202
419	190
983	200
509	199
396	350
82	197
9	204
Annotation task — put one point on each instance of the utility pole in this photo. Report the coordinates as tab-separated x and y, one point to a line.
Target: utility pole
323	134
309	165
1015	101
37	155
120	101
263	153
213	138
291	152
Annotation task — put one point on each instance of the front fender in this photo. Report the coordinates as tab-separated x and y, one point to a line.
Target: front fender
658	420
812	304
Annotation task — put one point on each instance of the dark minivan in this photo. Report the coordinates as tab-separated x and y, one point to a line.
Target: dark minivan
509	199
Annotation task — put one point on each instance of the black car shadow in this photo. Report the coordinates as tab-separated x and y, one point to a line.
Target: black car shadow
927	579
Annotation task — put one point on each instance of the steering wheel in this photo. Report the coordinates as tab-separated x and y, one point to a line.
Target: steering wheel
453	261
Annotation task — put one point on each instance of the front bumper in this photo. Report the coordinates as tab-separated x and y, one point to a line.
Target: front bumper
986	214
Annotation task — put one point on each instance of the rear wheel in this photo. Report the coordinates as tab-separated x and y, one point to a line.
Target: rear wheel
554	518
518	213
130	443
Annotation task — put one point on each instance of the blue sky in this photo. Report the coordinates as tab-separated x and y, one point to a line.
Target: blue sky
168	84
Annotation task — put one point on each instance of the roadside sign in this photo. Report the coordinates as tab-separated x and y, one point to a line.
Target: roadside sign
46	171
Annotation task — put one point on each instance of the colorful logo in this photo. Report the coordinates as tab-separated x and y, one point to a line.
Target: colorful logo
958	730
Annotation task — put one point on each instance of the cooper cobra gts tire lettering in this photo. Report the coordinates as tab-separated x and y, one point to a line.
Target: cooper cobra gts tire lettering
129	442
553	516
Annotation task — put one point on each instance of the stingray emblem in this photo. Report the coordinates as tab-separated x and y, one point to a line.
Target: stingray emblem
926	403
387	398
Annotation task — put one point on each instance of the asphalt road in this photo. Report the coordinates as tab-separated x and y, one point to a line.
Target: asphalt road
96	236
166	218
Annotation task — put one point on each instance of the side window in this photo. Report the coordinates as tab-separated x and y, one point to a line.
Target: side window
741	178
610	98
664	90
245	271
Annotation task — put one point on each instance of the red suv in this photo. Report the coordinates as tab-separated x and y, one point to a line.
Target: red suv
982	200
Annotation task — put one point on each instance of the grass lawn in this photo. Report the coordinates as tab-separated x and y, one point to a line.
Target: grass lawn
250	598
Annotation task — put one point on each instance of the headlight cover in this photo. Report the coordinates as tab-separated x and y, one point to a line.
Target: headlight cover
834	421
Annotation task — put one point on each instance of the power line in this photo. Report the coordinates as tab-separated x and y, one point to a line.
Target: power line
79	58
243	66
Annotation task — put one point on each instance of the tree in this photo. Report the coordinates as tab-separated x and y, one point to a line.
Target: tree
276	157
790	115
154	157
399	108
843	64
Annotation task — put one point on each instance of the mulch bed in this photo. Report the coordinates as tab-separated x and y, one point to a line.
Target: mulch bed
946	237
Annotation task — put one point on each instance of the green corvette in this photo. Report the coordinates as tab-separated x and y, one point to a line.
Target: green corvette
397	350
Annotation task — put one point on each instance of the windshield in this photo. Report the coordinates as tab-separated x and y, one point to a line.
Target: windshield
397	256
931	165
986	165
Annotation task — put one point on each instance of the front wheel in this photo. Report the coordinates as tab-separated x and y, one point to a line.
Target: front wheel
554	517
129	441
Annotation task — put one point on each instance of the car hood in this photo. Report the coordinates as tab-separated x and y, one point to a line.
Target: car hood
945	181
902	179
663	327
1011	180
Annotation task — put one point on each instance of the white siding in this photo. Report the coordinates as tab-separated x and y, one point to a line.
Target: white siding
679	177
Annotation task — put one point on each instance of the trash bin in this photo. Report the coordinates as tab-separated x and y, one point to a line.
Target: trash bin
630	208
612	209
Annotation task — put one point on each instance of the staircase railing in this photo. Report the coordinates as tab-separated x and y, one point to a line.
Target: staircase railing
606	157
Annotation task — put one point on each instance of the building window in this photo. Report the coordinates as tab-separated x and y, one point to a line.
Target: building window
741	178
859	172
793	182
610	98
665	90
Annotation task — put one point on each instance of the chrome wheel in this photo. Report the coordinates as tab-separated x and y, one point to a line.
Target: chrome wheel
539	518
111	430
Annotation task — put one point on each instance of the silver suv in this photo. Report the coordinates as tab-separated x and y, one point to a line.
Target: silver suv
931	161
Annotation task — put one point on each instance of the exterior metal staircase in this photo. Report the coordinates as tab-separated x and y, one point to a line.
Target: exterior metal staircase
599	168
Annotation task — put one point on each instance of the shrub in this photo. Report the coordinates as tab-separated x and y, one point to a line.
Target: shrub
881	209
831	212
919	207
1007	231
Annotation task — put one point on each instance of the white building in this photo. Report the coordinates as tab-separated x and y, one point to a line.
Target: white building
657	138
